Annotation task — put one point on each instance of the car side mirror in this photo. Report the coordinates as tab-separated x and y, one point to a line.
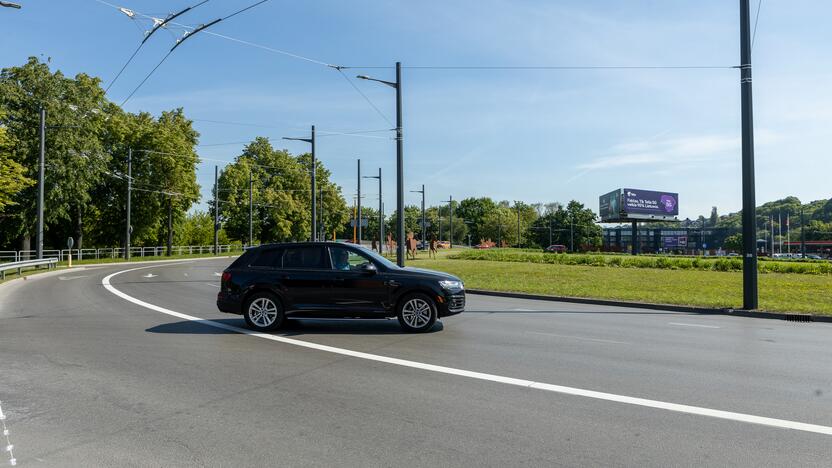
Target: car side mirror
369	268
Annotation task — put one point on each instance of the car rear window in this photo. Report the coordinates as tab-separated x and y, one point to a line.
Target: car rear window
304	257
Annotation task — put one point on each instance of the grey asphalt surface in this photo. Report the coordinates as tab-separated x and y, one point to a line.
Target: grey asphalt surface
89	379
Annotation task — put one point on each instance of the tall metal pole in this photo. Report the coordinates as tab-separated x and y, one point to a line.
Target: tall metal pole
802	234
322	228
216	210
358	221
572	233
250	210
400	255
41	173
451	224
170	225
128	228
519	244
424	232
314	173
749	208
380	215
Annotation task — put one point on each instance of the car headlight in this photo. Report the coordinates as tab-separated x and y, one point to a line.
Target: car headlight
448	284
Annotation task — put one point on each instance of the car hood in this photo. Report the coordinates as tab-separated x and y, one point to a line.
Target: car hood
430	273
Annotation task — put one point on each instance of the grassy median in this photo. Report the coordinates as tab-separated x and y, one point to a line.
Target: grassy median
783	292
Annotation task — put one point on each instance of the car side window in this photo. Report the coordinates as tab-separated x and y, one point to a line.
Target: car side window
304	257
269	258
346	259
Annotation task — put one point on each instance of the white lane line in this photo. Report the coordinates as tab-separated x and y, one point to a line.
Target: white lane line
692	325
598	340
523	310
696	410
212	284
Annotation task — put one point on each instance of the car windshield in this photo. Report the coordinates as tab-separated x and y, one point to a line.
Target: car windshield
377	257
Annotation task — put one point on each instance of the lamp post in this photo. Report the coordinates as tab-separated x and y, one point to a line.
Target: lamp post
397	85
424	224
359	217
380	211
450	202
313	171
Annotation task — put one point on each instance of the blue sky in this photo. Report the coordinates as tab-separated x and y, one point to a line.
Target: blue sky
531	135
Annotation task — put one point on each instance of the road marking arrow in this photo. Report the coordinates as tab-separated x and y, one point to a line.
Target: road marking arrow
67	278
149	275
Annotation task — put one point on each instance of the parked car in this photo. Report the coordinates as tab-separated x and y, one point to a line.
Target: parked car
482	246
271	283
443	245
555	248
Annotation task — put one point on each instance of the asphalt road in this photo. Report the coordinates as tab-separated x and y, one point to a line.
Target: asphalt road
88	378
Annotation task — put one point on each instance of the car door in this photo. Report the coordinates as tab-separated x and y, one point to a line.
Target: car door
357	289
308	278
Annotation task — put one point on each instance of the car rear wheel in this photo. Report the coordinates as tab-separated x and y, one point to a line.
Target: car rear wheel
417	313
263	312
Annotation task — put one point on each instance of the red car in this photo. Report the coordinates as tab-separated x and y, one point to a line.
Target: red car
555	248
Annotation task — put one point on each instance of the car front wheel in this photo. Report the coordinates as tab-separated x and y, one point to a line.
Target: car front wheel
417	313
263	312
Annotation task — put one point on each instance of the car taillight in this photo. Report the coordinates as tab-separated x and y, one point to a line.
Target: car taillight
226	276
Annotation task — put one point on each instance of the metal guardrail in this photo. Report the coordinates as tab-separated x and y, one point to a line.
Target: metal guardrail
19	266
116	252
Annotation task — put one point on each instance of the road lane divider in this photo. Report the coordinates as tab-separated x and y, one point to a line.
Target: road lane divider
629	400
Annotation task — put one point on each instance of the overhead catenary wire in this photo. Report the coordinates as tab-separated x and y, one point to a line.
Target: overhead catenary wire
156	26
383	116
756	19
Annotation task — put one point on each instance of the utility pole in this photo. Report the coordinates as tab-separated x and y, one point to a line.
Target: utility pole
380	215
129	227
358	221
216	210
250	210
424	227
322	228
451	222
749	204
519	243
41	173
313	173
802	234
314	183
572	232
170	225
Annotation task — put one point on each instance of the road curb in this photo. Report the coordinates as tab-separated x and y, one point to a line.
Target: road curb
652	306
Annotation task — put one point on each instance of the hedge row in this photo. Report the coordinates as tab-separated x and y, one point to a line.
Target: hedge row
668	263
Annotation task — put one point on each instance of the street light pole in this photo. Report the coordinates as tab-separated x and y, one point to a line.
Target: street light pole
313	172
380	211
749	208
424	227
358	221
250	210
450	201
41	173
216	210
397	85
129	228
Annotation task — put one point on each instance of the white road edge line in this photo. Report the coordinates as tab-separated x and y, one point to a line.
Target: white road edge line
696	410
692	325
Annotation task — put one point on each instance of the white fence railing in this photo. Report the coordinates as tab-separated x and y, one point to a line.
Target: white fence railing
116	252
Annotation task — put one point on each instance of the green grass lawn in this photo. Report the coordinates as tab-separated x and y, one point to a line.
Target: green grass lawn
778	291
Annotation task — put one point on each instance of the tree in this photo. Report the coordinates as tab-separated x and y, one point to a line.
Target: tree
12	174
281	198
714	217
75	160
733	242
197	228
474	210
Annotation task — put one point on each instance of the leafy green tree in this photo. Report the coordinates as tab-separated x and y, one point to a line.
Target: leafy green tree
75	161
733	242
281	199
197	228
12	175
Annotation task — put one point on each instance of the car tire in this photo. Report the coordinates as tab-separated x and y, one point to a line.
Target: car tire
416	313
263	312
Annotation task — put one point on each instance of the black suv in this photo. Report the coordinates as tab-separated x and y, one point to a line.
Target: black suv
271	283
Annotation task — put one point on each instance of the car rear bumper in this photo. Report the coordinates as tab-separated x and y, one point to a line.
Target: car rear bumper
228	305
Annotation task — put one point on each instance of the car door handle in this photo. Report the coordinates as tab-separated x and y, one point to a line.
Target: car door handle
339	280
392	283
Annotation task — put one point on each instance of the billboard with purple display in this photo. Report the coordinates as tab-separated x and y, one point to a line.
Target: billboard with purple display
637	204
